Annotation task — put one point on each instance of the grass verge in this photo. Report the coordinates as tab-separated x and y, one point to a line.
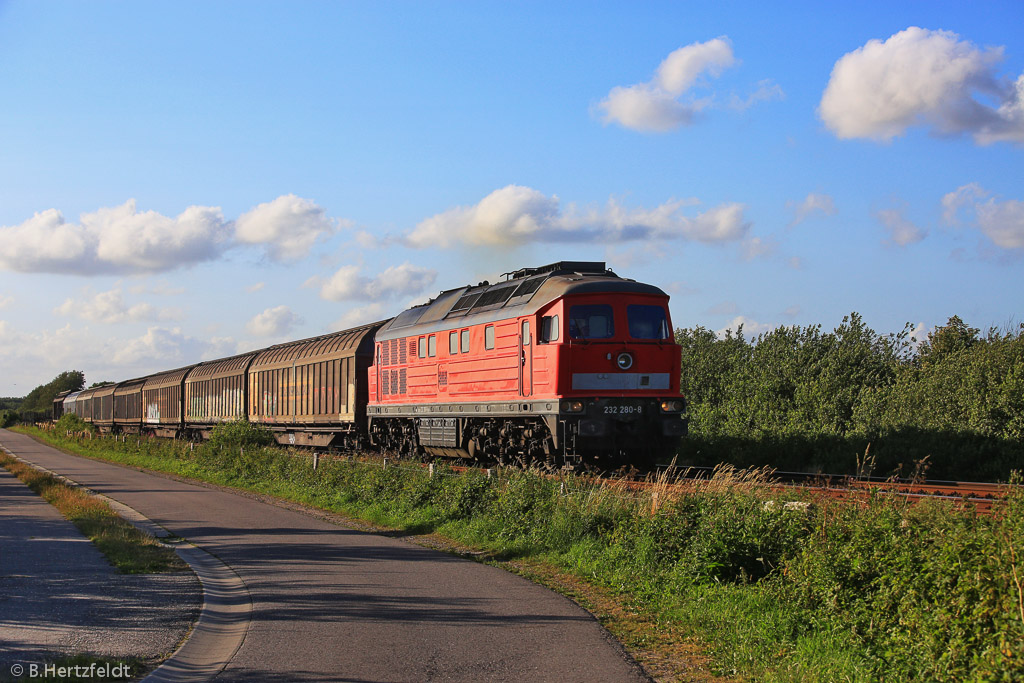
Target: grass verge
127	548
722	581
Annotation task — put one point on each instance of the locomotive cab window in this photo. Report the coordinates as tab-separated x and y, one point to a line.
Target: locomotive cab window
526	333
548	329
489	337
647	322
591	321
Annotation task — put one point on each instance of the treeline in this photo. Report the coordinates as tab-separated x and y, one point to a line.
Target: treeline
854	401
38	405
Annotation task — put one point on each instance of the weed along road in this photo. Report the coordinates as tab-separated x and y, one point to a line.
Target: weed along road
335	604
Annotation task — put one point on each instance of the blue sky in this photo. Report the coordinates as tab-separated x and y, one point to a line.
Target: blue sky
183	181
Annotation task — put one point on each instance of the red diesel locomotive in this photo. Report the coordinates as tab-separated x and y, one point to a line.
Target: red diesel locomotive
566	364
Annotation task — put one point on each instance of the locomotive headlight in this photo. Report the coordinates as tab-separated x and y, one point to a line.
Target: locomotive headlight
671	406
572	406
624	360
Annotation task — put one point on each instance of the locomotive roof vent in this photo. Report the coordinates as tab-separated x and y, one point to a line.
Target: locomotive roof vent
581	267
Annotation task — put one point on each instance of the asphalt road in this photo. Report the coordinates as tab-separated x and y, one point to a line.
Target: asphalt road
336	604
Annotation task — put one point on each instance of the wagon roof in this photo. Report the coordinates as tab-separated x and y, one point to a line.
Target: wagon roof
92	391
224	367
130	386
333	345
166	379
105	390
526	292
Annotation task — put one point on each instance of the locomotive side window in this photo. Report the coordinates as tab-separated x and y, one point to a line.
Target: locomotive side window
453	343
647	322
432	346
465	341
526	333
489	337
548	329
423	347
591	321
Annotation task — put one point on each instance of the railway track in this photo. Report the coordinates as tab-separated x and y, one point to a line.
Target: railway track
981	495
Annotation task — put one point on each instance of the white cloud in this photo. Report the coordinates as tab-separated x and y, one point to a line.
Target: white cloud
164	347
361	315
813	203
349	284
1000	221
273	322
516	215
150	242
255	287
679	288
901	231
755	247
922	77
655	106
963	196
5	301
112	240
767	90
919	334
45	243
751	328
792	311
110	307
1003	222
122	239
288	226
647	109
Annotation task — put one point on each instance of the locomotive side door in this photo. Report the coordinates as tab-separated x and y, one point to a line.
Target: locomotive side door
525	358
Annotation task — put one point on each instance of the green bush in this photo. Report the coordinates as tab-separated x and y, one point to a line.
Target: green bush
800	399
69	422
239	434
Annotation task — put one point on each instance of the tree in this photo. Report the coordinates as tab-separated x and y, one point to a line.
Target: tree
39	402
946	340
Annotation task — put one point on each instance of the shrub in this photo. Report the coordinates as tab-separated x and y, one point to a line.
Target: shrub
69	422
240	434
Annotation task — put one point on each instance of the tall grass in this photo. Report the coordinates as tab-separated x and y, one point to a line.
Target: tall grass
878	590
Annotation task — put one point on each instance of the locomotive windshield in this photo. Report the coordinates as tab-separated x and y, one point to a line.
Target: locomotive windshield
591	321
647	322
